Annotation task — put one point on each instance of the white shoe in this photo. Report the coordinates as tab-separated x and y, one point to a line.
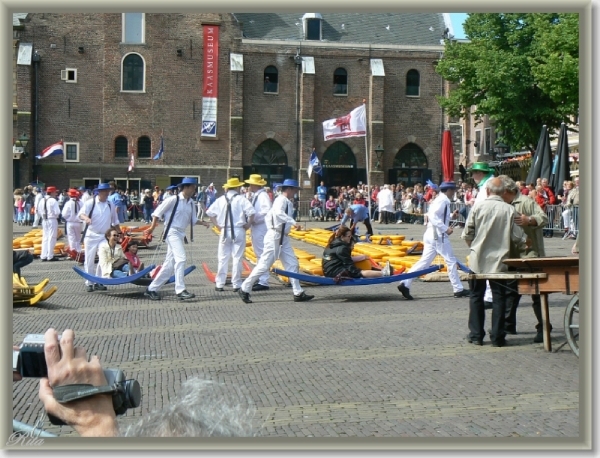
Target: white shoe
387	270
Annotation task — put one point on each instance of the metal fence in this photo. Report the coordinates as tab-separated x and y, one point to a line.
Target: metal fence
560	219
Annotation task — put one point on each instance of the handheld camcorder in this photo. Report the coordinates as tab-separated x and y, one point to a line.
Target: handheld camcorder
30	361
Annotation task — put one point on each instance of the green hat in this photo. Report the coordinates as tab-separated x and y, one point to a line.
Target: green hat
480	167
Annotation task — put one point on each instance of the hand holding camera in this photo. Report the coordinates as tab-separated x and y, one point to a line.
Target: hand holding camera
77	391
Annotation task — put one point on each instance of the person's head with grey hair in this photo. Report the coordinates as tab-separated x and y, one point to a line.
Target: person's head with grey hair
495	186
201	409
511	189
510	185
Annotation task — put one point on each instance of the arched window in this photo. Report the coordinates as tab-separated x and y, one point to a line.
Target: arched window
133	73
121	146
340	82
271	80
413	83
269	152
143	148
410	156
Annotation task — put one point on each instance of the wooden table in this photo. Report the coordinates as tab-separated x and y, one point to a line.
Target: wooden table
541	276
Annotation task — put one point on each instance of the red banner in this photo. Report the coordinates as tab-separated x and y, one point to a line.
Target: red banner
210	80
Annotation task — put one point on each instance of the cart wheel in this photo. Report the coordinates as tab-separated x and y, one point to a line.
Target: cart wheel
572	324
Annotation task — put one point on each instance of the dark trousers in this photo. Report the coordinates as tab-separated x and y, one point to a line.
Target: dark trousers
367	223
512	303
477	310
21	259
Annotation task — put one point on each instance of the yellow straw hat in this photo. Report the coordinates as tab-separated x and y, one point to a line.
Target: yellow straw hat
256	180
233	183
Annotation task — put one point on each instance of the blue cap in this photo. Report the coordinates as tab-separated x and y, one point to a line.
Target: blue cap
189	180
290	183
170	188
104	187
81	188
447	185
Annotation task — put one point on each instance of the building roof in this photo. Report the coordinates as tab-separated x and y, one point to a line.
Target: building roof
425	29
16	17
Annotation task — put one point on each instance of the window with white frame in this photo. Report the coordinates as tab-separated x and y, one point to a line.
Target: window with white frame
71	152
133	72
477	144
487	141
69	75
133	28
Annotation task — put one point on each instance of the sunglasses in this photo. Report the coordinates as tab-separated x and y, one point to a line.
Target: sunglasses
116	235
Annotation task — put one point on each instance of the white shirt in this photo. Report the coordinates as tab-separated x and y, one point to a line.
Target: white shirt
185	214
103	217
262	204
48	208
281	213
385	200
240	209
85	197
70	211
439	214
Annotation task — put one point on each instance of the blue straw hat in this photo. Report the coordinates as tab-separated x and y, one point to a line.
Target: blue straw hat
288	182
189	180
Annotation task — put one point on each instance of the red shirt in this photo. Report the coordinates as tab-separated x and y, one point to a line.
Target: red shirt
134	260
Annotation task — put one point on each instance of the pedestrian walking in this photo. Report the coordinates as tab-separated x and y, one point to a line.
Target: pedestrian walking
181	211
98	215
232	214
277	245
436	240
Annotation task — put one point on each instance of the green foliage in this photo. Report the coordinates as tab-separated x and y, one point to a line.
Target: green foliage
520	69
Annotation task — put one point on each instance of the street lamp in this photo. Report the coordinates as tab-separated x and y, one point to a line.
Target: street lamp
379	152
21	143
500	149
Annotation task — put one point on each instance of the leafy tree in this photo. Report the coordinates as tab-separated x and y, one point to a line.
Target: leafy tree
520	69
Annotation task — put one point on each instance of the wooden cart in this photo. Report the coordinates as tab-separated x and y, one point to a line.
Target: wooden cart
544	276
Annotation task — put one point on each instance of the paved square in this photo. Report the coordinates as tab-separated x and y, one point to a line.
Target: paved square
354	361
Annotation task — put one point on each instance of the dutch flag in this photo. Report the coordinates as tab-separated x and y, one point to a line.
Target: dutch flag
53	150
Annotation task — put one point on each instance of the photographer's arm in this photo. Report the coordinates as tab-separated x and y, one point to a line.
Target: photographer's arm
90	417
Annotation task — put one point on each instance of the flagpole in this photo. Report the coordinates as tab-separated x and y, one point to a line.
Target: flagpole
367	161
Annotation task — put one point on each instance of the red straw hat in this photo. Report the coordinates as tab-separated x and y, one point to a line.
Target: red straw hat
73	193
51	189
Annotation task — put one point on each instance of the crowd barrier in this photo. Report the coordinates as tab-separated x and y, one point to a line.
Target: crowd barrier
558	220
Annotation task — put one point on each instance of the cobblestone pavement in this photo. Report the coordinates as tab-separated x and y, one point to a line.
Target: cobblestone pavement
352	362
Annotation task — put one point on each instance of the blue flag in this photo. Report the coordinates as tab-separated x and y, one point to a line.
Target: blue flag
161	149
314	164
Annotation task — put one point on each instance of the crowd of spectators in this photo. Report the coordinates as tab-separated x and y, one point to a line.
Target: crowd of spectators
330	203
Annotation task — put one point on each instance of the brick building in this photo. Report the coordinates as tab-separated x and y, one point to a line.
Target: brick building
111	85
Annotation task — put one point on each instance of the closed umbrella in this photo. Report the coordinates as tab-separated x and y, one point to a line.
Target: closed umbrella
561	169
541	165
447	156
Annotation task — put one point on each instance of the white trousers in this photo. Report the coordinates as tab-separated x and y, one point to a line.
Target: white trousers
49	234
234	250
91	241
431	248
74	235
258	242
272	251
175	261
